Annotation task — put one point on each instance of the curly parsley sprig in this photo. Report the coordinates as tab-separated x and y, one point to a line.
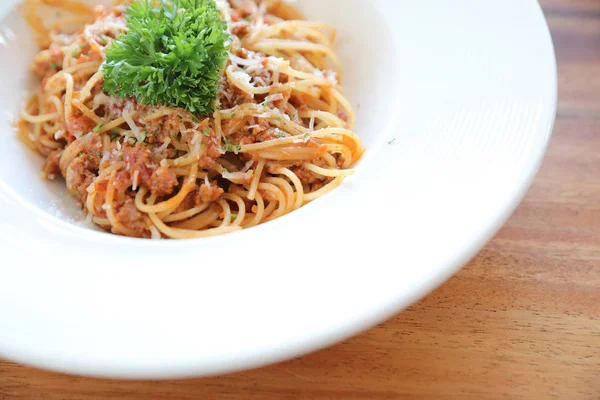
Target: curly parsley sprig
171	54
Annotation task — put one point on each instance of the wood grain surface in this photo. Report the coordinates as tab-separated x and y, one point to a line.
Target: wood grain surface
521	321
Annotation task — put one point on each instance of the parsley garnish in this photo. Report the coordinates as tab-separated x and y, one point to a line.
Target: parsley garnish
231	147
205	132
53	66
97	128
234	216
143	136
171	54
392	141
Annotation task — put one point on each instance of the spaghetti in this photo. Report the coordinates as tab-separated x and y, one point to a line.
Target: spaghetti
281	135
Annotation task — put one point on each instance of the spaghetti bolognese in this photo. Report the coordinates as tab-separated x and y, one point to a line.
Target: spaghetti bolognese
278	133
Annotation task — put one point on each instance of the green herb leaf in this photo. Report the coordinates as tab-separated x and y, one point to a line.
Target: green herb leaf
97	128
53	66
171	54
206	132
392	141
231	147
143	136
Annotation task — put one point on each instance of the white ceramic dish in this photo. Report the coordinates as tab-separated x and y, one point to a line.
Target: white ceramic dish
455	102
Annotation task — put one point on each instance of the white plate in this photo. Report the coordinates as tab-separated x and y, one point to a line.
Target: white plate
464	90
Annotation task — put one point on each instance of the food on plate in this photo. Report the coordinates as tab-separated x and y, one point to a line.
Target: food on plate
188	118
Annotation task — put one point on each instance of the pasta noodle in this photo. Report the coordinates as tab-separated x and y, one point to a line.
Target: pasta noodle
281	135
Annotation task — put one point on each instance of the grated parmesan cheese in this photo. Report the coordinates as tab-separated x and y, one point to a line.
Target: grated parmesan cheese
136	180
134	128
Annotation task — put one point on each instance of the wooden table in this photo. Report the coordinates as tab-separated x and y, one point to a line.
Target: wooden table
522	320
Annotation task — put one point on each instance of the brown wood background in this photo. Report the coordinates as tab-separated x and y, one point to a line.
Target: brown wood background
522	320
